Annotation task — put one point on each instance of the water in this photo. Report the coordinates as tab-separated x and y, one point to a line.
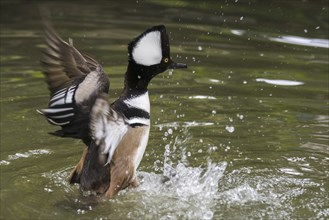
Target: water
241	134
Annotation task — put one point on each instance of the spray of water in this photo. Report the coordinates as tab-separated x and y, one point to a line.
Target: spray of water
181	191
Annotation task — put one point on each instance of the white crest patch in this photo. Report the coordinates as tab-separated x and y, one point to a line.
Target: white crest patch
147	50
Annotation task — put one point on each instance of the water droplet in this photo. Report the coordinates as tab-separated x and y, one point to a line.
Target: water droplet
229	128
170	131
208	215
199	48
213	112
241	18
245	82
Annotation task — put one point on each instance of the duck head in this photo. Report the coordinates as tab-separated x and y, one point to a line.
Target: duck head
149	55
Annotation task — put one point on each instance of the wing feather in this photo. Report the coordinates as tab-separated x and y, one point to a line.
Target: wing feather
61	61
65	68
107	126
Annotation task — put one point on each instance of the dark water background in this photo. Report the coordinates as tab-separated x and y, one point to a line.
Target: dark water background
242	133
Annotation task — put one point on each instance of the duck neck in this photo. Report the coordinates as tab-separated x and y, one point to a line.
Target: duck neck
133	84
134	100
135	80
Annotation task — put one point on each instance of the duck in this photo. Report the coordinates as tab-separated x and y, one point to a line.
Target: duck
115	134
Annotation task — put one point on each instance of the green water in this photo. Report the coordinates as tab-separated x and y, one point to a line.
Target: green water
241	134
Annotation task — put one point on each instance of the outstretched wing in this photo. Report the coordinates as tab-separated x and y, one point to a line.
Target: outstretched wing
62	62
66	69
107	126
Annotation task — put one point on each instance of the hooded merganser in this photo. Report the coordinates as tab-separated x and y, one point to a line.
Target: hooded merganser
115	134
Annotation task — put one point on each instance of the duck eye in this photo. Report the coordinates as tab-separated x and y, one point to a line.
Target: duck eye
166	60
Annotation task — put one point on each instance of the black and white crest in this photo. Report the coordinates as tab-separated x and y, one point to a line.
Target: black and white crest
150	47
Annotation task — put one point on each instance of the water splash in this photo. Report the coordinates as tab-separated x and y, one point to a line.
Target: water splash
178	190
181	191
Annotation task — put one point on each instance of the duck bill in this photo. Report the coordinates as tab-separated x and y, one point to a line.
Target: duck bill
174	65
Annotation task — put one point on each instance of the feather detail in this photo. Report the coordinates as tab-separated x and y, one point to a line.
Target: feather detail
107	127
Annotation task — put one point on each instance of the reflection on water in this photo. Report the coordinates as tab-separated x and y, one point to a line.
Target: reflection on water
241	134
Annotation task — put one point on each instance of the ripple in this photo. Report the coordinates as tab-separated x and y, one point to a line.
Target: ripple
185	124
280	82
310	42
290	171
201	97
24	155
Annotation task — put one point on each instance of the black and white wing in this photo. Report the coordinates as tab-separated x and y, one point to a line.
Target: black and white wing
61	110
74	80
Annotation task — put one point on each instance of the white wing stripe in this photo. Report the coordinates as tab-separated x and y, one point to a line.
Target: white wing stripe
56	110
62	116
58	94
65	94
69	96
56	102
55	123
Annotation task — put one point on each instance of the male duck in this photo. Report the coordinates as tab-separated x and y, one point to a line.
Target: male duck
115	134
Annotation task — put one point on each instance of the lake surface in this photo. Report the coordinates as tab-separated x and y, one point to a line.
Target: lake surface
241	134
